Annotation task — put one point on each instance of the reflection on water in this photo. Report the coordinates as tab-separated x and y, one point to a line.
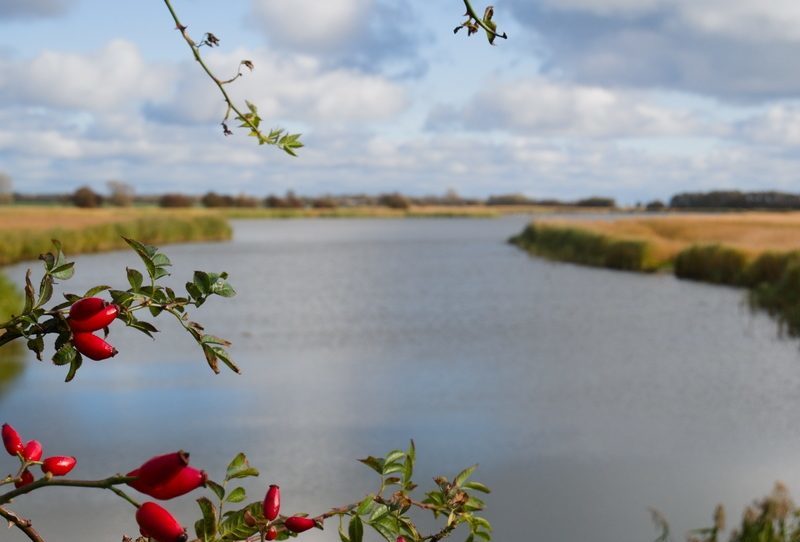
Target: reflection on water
585	395
12	363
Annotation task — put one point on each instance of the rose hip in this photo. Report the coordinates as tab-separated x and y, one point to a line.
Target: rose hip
161	468
84	308
272	502
25	479
299	524
32	451
187	479
58	465
155	522
11	440
98	320
271	534
92	346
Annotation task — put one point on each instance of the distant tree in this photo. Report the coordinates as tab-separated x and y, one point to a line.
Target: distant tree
176	200
325	202
395	200
655	206
596	202
120	193
509	199
86	198
293	201
6	189
212	199
243	200
274	202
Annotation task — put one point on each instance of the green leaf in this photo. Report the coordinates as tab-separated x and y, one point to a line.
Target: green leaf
239	467
146	253
91	292
45	290
394	455
356	529
391	469
365	505
237	495
375	463
64	272
342	535
206	528
235	526
477	486
65	354
135	279
380	511
464	475
218	490
74	365
30	298
36	344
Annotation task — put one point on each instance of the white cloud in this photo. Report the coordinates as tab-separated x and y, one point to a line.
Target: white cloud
543	107
114	77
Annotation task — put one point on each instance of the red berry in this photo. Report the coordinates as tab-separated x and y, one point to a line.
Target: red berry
93	322
32	451
92	346
158	524
401	539
272	502
58	465
187	479
12	440
161	468
84	308
299	524
271	534
24	480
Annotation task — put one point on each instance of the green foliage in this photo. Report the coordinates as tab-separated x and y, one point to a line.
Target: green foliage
473	22
717	264
35	321
584	247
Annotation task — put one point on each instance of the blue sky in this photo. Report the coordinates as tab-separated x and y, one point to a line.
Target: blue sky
635	99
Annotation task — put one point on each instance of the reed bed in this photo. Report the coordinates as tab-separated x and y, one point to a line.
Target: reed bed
27	232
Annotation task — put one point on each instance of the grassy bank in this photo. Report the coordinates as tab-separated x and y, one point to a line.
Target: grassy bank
758	251
12	355
27	232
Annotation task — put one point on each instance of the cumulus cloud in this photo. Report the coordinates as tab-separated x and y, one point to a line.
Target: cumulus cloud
30	9
113	77
543	107
365	34
290	87
734	49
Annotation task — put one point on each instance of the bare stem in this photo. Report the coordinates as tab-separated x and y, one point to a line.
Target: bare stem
106	483
22	524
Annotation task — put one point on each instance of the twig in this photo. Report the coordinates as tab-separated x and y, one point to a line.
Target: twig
22	524
106	483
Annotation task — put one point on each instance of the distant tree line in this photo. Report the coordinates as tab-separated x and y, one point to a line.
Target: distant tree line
733	199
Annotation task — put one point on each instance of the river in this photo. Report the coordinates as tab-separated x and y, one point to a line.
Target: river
586	395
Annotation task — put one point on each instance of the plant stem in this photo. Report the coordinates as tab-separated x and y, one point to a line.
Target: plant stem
22	524
106	483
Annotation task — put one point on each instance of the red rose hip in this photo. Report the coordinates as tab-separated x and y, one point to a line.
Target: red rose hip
92	346
299	524
25	479
11	440
32	451
272	502
58	465
98	320
159	469
271	534
86	307
155	522
188	479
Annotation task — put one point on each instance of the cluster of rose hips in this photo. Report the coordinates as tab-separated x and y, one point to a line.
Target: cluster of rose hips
86	316
31	454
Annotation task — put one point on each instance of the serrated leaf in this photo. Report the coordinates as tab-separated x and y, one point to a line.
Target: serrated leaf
375	463
240	467
217	489
146	254
65	354
355	529
45	290
464	475
380	511
64	272
394	455
365	505
30	294
392	468
477	486
36	344
91	292
237	495
74	365
206	528
135	279
235	526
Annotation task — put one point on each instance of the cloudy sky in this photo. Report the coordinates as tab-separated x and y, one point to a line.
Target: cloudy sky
635	99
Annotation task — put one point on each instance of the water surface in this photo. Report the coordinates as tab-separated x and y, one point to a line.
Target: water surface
585	395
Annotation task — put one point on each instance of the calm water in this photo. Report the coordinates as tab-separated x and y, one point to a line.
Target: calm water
585	395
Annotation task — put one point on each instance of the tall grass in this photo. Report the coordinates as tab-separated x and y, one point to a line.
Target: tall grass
585	247
12	355
717	264
20	245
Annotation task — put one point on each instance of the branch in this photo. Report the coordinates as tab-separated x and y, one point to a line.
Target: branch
22	524
106	483
285	141
50	326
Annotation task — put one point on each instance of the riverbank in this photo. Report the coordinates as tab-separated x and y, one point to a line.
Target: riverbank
26	232
414	211
757	251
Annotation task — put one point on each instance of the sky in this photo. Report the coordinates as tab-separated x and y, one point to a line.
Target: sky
632	99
